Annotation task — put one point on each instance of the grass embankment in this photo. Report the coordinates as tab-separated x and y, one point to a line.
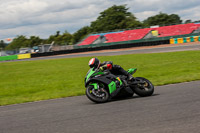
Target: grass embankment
26	81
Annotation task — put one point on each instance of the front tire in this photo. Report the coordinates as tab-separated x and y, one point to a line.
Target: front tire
144	89
98	96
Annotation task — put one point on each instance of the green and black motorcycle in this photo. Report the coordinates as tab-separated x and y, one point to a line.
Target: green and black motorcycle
102	86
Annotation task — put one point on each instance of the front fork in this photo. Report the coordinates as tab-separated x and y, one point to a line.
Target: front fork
96	86
97	91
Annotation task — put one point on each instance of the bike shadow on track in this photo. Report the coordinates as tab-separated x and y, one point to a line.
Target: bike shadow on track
123	99
133	97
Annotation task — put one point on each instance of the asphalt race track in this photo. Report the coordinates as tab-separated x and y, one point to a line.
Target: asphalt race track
136	50
172	109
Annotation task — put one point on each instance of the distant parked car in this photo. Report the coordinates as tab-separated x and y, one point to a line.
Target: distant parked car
24	50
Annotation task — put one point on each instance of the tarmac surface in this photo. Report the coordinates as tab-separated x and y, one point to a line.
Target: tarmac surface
173	108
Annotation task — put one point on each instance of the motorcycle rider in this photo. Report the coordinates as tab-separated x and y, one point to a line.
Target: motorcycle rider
114	69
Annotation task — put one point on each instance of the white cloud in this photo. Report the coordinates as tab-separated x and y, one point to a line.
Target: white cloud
15	12
143	15
45	17
190	13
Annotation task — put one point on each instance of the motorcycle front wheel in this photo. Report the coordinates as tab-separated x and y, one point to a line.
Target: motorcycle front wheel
100	95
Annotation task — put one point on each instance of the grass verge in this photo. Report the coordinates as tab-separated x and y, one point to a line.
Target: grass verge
27	81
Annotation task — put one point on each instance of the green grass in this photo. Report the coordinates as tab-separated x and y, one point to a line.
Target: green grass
27	81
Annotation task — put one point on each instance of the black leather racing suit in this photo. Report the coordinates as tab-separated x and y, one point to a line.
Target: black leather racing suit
115	69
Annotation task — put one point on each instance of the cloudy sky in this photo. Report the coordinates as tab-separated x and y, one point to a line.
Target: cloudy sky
44	17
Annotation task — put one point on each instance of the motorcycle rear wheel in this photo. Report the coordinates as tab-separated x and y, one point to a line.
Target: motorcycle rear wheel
143	90
98	96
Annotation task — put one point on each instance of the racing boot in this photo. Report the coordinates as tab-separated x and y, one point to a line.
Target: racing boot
130	77
122	71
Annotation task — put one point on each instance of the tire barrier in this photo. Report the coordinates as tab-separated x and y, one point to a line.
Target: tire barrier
184	40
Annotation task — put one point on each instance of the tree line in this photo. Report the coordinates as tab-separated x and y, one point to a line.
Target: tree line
114	18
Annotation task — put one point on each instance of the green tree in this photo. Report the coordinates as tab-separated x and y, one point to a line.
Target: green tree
57	33
34	41
80	34
22	42
115	17
197	21
130	22
2	44
18	42
50	39
66	38
60	39
188	21
162	19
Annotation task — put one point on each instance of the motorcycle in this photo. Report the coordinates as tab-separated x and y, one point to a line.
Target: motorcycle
102	86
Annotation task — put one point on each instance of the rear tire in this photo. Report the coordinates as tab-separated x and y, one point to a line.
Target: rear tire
145	89
97	96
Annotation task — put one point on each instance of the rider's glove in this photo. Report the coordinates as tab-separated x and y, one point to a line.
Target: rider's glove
102	68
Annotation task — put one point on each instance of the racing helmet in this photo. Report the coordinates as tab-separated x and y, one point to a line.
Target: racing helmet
94	62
